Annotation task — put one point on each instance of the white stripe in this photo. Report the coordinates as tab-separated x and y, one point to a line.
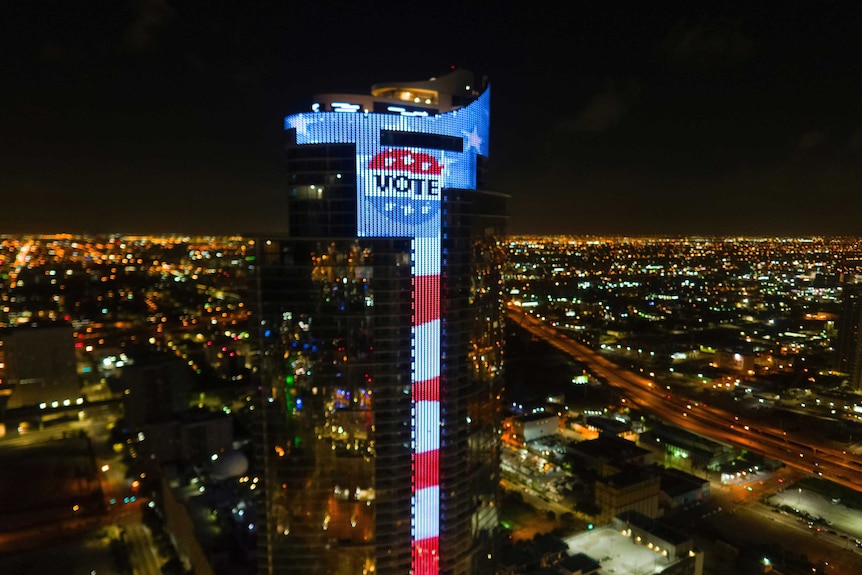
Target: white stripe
427	430
426	510
426	345
426	256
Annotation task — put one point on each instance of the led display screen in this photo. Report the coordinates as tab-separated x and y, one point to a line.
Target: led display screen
403	164
398	187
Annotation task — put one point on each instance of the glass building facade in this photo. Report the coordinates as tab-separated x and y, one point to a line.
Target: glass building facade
381	342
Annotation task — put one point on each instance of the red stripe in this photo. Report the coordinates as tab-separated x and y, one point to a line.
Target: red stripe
426	556
426	297
428	390
426	469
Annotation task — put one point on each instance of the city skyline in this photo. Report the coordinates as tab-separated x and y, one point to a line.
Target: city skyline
151	117
730	336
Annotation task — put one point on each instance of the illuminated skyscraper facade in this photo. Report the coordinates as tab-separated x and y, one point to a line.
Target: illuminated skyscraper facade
381	338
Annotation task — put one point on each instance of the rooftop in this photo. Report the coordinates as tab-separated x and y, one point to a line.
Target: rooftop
654	527
609	447
675	482
628	477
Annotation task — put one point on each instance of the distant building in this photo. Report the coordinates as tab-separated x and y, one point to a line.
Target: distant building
190	436
608	454
679	488
849	344
535	425
37	364
543	554
155	391
632	543
208	546
579	564
675	447
629	490
667	540
737	361
607	425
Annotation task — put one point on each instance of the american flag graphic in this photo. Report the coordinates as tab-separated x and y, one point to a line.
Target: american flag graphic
426	404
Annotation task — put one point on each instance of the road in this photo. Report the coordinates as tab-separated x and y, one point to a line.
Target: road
144	559
806	454
534	499
753	523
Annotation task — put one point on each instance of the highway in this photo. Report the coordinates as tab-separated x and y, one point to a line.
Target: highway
795	450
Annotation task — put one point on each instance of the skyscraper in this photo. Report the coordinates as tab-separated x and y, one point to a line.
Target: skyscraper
849	343
381	338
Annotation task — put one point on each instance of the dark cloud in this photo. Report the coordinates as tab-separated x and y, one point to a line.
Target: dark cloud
812	139
605	110
646	119
54	52
150	17
708	43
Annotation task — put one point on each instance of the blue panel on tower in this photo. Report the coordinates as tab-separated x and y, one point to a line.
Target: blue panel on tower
398	188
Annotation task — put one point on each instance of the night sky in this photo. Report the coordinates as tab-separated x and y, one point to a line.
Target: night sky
607	117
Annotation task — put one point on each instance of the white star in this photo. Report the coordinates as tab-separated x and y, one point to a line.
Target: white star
473	139
300	122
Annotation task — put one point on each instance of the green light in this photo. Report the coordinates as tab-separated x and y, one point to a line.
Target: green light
289	380
589	526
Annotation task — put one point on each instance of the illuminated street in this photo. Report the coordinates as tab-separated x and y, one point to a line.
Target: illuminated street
788	447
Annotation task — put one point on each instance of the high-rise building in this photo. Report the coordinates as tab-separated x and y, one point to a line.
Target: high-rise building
381	338
848	347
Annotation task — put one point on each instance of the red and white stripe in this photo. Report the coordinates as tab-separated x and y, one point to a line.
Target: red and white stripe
425	270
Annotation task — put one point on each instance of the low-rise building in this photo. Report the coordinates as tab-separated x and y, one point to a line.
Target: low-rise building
736	361
607	454
535	425
579	564
629	490
679	489
675	447
657	535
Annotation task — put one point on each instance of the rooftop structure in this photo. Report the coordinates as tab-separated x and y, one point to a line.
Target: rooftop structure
629	549
419	98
